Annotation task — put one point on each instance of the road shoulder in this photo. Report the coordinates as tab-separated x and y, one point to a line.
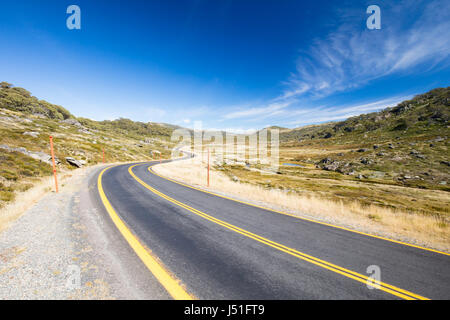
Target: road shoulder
64	247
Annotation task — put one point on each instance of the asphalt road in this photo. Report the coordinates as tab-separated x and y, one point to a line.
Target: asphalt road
222	249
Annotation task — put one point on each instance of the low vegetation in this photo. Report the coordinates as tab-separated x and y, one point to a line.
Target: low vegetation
368	159
17	174
27	122
405	145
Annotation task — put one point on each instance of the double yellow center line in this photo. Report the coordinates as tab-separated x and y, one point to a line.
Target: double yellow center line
404	294
168	281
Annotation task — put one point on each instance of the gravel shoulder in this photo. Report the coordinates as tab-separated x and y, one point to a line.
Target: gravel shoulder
66	247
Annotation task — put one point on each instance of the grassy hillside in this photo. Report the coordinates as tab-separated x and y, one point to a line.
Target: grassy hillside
397	158
427	112
27	122
407	144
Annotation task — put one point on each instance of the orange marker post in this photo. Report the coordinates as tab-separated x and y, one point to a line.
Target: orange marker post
54	164
208	167
103	155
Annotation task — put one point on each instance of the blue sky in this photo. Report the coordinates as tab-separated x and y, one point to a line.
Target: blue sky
237	65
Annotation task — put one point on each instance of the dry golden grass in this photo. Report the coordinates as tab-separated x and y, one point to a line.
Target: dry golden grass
25	200
413	228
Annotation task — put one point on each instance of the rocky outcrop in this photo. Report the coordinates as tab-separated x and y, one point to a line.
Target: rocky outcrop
74	162
41	156
334	165
366	161
72	122
417	154
33	134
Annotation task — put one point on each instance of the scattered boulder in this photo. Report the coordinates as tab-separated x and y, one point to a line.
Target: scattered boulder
366	161
33	134
362	150
41	156
84	130
72	122
326	161
74	162
334	166
149	140
417	154
375	146
377	175
447	163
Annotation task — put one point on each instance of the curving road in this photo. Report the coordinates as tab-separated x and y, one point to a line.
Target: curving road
218	248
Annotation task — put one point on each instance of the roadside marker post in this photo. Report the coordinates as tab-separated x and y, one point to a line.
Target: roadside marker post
103	155
54	164
160	157
208	167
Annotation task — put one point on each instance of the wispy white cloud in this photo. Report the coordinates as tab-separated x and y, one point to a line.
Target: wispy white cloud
352	55
413	39
325	114
271	109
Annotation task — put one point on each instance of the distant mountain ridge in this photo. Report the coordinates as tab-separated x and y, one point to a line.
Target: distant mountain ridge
27	122
18	99
424	112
